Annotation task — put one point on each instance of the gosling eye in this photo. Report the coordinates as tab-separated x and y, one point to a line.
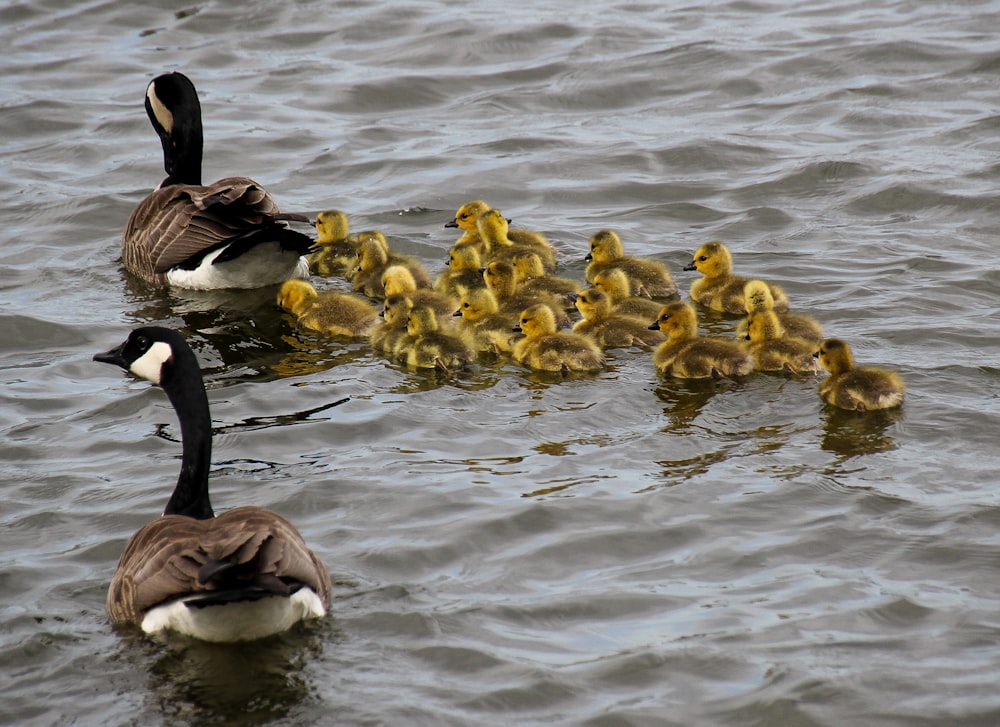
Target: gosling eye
466	305
703	258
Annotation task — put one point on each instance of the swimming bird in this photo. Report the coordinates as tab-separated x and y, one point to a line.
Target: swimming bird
480	316
398	279
336	249
500	279
612	330
615	283
530	275
757	295
494	232
330	312
464	272
546	349
244	574
228	234
687	355
466	217
392	334
773	349
374	256
648	278
861	388
720	289
430	347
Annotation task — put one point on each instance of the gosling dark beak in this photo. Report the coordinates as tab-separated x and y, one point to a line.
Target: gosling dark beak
452	223
690	266
516	328
457	313
114	356
815	354
482	270
572	297
588	258
654	326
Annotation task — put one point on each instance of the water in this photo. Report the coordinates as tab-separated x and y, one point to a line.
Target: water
509	548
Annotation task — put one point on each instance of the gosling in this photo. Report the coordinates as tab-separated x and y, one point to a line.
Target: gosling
720	289
687	355
545	349
647	278
854	387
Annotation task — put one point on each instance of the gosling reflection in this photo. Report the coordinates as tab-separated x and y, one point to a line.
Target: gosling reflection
852	433
685	399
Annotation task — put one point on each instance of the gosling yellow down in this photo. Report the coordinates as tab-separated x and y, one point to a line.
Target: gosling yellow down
773	349
648	278
336	250
719	289
612	330
331	312
545	349
757	295
430	347
480	317
687	355
615	283
854	387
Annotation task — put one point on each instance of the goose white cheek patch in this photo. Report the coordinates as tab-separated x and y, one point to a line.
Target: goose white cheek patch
161	112
149	364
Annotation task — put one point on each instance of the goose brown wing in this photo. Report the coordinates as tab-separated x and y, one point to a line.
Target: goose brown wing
176	556
176	223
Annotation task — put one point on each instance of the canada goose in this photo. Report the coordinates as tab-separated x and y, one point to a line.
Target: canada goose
499	277
464	272
615	283
429	347
612	330
773	349
392	334
374	256
757	297
852	387
494	232
241	575
529	272
546	349
336	250
398	279
687	355
331	312
480	316
466	217
229	234
648	278
719	289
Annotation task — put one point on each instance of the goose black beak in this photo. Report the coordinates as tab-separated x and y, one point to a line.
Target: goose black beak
690	266
114	356
452	223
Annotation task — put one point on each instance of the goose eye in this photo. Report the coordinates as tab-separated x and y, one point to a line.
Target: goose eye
142	343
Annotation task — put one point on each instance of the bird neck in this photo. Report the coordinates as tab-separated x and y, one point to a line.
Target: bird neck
182	156
181	380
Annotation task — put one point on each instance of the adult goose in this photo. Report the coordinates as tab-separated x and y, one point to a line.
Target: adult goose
229	234
242	575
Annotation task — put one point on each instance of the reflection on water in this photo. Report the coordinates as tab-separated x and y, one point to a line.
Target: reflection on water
685	399
235	684
853	433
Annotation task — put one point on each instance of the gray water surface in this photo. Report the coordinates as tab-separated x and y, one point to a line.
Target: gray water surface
508	547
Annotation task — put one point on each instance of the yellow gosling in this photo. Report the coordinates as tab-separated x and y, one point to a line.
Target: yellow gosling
720	289
648	278
374	257
493	230
609	329
687	355
773	349
757	295
480	317
397	279
615	283
429	347
500	279
392	334
338	250
466	217
464	272
331	313
545	349
529	272
853	387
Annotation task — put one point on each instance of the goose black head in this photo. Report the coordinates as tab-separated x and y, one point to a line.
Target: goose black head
145	352
175	113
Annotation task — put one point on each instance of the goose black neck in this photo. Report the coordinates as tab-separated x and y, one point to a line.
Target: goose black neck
182	142
181	380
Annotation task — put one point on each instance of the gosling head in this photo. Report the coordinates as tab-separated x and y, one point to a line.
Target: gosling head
398	279
605	247
835	356
296	296
467	215
477	304
331	226
536	320
711	259
593	304
678	320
